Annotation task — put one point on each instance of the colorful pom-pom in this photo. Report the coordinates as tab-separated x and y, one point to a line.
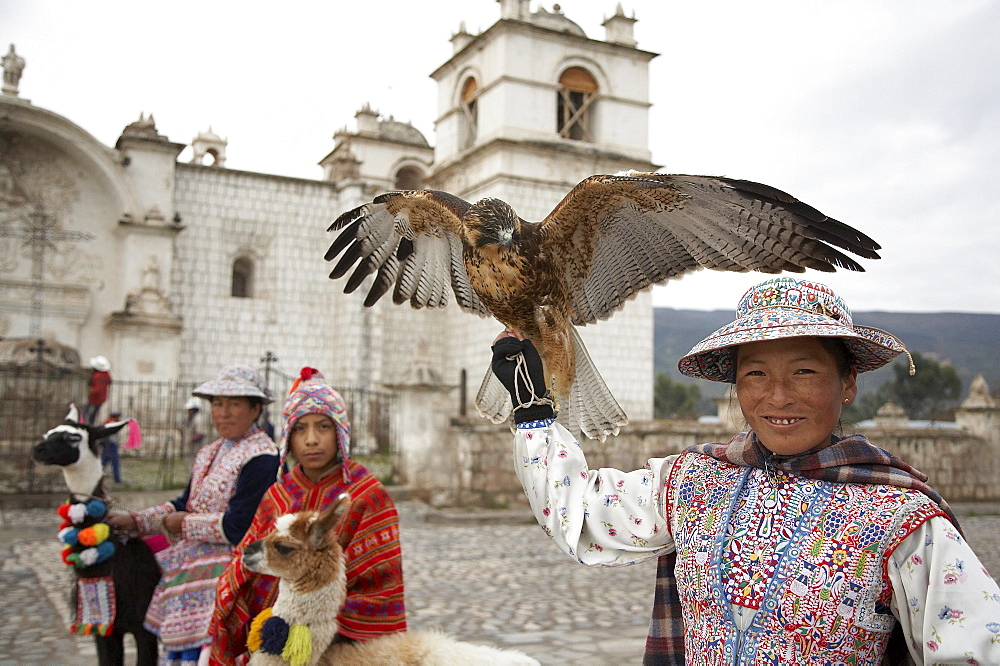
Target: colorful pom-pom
63	511
253	638
95	534
104	551
102	531
96	509
87	536
273	635
77	512
298	647
74	559
88	557
66	552
70	536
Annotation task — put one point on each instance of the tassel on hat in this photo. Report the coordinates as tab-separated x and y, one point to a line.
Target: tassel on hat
305	374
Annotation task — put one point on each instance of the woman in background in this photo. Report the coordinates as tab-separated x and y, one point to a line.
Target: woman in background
228	479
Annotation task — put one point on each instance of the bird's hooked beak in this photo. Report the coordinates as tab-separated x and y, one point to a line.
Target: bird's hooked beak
505	236
496	222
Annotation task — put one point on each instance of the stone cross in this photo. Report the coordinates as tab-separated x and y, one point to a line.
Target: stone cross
268	359
40	233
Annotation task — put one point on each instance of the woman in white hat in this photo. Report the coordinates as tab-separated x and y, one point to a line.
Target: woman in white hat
210	517
788	544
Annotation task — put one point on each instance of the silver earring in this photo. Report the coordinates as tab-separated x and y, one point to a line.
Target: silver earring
846	400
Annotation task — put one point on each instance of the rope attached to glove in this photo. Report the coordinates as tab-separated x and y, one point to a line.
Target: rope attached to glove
518	366
521	373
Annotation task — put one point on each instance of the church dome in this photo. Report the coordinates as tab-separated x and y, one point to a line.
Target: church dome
556	21
393	130
209	136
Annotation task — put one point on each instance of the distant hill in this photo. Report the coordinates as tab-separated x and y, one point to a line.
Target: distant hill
969	342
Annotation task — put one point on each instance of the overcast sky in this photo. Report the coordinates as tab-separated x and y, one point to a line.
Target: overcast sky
884	115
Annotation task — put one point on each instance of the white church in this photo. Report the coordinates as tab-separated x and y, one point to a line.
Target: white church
173	270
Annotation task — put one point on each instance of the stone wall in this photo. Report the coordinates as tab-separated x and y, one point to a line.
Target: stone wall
471	464
958	464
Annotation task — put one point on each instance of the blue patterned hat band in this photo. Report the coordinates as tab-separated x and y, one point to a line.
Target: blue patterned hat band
787	308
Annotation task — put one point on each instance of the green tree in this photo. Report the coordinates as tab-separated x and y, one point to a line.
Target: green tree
674	400
928	394
931	392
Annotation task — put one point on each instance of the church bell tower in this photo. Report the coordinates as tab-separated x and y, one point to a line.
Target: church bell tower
526	110
533	105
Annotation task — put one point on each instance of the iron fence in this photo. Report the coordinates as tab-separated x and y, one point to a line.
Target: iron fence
34	401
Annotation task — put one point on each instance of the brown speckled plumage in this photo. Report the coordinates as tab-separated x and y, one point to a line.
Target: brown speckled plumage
608	239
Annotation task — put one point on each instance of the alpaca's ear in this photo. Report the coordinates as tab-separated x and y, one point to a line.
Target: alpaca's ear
326	523
74	414
97	432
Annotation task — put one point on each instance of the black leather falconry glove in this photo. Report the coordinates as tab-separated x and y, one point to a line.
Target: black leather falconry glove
518	366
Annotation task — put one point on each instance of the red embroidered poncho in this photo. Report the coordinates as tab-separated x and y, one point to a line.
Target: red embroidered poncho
370	539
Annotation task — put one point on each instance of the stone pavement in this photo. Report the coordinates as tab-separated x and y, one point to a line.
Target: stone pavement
491	578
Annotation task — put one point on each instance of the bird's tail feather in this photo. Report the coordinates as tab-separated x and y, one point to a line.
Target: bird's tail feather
493	400
591	406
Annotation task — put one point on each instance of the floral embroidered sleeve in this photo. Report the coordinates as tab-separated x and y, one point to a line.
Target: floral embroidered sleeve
606	516
946	601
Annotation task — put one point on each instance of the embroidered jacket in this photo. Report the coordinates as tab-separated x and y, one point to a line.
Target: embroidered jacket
760	543
803	558
183	601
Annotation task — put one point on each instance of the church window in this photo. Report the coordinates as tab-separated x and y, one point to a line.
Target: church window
470	112
409	178
242	286
577	92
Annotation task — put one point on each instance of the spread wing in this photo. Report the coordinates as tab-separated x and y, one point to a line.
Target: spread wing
617	235
411	240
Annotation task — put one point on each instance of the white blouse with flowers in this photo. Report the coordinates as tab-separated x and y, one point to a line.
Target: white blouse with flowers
946	602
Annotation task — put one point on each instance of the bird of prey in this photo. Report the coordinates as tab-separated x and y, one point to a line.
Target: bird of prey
609	238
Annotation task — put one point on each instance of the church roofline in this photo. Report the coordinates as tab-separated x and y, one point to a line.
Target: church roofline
223	170
45	125
504	25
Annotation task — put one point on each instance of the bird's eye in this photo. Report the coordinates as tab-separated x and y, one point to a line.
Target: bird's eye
283	549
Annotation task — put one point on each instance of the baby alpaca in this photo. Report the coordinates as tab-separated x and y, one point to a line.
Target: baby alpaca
304	552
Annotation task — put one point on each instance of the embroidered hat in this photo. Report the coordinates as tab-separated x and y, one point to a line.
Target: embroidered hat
311	394
787	308
236	380
100	363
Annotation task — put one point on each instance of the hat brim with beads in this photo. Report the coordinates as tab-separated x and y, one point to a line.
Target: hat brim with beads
789	308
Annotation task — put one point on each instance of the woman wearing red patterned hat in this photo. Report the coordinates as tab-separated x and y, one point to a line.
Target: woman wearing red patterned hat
788	544
317	434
